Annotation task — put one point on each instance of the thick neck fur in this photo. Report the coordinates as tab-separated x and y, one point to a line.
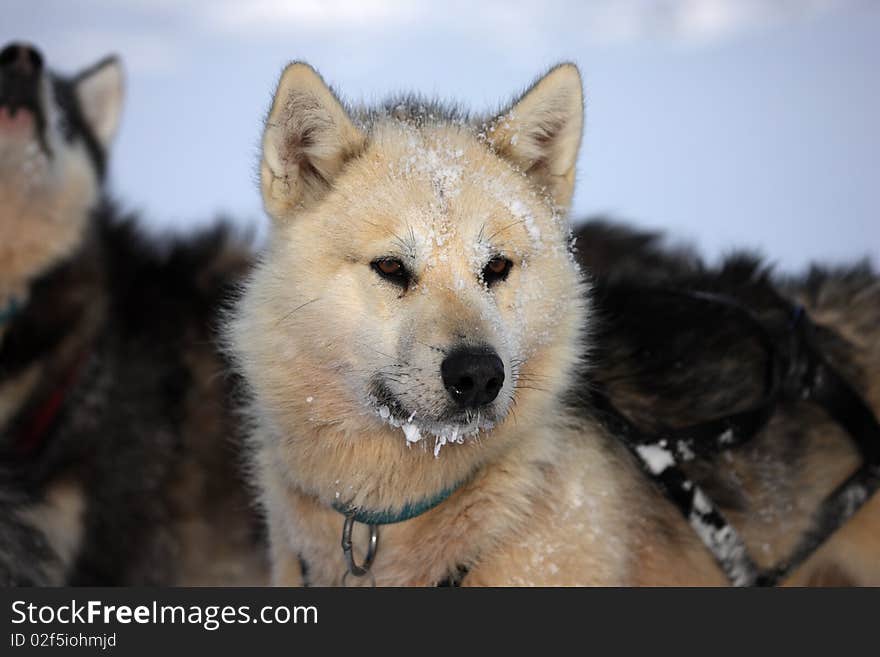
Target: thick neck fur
42	223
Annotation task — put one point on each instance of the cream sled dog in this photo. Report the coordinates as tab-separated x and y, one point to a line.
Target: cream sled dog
410	341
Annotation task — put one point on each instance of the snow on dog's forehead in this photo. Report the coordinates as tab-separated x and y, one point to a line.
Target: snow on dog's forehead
449	190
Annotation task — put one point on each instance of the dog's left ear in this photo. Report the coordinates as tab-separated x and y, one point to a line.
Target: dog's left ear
541	132
99	91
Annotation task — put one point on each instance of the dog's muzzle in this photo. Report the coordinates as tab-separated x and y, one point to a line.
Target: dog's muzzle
21	70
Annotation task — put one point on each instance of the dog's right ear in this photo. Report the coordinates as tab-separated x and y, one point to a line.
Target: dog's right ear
99	90
308	138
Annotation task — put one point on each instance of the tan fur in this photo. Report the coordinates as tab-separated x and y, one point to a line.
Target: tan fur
60	517
15	392
850	556
43	214
547	498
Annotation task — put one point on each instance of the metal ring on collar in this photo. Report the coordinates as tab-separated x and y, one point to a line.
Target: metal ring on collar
353	567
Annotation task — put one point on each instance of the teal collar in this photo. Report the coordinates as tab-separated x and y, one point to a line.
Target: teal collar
408	511
383	517
8	313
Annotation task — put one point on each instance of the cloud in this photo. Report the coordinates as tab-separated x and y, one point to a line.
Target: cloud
600	22
707	21
308	15
154	32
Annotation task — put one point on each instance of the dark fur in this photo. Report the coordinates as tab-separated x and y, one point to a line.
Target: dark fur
671	360
139	315
616	252
668	361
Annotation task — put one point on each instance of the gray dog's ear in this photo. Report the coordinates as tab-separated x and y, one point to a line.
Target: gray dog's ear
541	132
99	90
308	138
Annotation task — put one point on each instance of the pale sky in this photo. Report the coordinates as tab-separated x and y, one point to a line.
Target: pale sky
727	123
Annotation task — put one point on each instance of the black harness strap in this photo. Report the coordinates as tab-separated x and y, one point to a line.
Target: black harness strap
796	369
660	459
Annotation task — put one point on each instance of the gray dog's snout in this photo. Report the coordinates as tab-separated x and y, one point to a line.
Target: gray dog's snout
21	60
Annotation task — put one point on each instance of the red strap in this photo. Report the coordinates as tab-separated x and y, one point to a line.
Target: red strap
35	428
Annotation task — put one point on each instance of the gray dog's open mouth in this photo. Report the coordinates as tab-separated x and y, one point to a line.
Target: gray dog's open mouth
18	98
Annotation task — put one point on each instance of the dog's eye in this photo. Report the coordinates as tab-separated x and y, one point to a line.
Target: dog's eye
496	270
392	269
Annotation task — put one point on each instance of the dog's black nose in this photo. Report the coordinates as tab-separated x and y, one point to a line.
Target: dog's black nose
473	377
21	60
